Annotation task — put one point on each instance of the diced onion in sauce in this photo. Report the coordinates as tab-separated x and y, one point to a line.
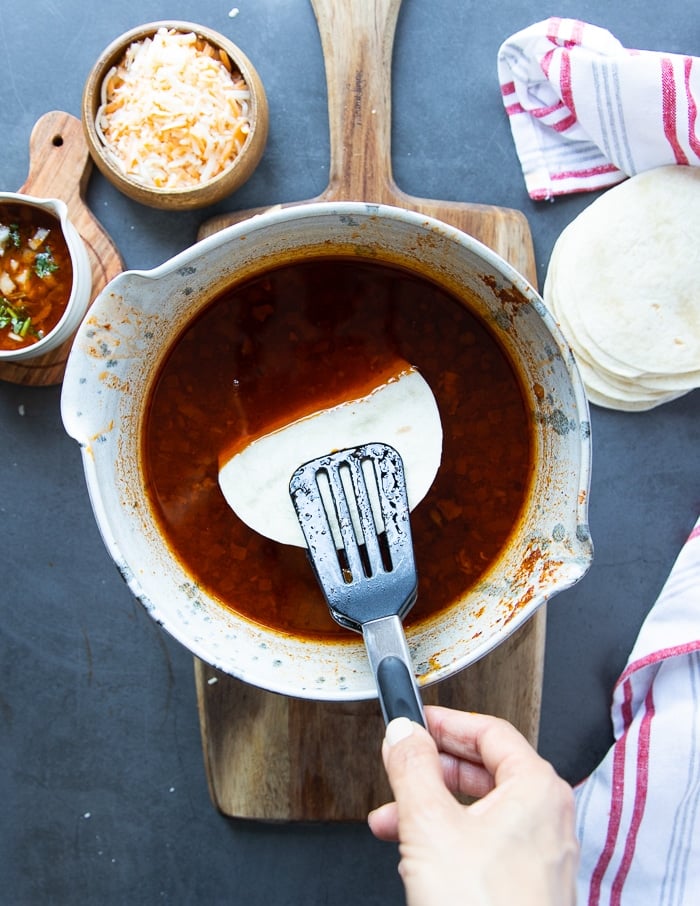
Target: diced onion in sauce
36	275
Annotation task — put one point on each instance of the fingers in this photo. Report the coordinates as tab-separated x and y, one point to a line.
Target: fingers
465	778
465	753
409	752
415	773
418	758
476	750
516	844
384	822
479	741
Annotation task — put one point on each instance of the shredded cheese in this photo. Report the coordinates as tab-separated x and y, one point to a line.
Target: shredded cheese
173	114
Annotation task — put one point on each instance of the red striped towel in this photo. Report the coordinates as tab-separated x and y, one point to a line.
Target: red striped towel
585	112
638	814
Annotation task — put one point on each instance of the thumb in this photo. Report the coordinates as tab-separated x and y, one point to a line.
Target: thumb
414	770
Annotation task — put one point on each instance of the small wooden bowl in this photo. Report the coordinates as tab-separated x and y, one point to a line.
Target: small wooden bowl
206	193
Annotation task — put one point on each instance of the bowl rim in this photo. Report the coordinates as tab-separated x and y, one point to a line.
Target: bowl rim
115	50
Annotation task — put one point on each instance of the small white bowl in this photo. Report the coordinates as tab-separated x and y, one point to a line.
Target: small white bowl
81	289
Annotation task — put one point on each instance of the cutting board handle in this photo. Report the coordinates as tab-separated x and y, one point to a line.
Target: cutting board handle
357	37
59	160
274	757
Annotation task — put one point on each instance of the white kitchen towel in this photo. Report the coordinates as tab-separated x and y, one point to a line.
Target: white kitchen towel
638	814
585	112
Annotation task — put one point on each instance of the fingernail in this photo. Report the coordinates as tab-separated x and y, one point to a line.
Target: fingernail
399	728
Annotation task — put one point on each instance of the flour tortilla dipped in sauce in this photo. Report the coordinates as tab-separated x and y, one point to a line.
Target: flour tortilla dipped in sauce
307	337
401	412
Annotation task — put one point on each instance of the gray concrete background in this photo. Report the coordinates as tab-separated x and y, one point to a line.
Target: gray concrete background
102	788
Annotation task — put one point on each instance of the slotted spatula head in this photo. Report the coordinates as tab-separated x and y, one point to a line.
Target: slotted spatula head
353	510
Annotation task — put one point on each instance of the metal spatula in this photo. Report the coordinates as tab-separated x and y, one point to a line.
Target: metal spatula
353	511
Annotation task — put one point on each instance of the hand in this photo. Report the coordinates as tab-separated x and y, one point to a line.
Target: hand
515	845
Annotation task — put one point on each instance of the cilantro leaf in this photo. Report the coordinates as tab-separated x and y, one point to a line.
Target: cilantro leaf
44	264
17	319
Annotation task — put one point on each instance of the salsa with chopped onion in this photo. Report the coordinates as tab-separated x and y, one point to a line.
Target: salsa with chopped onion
36	275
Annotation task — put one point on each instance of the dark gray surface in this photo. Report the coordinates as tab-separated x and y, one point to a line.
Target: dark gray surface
102	791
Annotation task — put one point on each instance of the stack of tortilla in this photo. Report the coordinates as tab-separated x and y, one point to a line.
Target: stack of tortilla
624	284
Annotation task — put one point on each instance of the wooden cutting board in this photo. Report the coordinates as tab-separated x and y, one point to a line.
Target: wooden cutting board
277	758
59	167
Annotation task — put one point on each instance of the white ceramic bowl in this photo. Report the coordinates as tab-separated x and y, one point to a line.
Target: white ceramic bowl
81	289
117	354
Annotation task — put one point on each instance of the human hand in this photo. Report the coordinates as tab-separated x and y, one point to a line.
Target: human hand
514	845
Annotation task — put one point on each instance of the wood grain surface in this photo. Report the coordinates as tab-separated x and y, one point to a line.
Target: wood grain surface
59	167
276	758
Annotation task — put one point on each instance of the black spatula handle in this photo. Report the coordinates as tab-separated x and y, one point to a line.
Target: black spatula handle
390	660
397	691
